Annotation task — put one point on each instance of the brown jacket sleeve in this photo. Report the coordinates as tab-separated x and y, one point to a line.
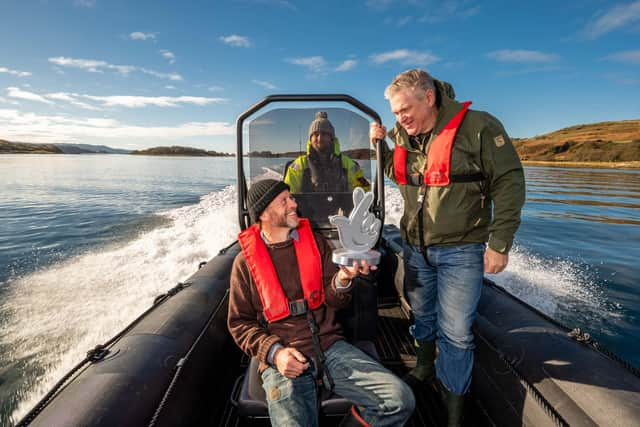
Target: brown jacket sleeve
332	297
244	326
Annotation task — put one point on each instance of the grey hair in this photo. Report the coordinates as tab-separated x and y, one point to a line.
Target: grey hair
416	80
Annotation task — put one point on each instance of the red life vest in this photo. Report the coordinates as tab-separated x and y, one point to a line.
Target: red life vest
274	300
438	166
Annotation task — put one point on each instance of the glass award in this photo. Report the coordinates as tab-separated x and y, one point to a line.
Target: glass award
358	233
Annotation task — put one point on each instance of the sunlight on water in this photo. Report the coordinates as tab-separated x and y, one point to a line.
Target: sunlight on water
54	316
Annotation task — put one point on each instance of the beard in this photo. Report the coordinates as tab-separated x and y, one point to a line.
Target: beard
285	220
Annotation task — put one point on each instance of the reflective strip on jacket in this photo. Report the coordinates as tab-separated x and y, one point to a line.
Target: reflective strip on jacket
298	172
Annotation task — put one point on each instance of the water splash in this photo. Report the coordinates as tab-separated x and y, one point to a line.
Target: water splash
561	289
52	317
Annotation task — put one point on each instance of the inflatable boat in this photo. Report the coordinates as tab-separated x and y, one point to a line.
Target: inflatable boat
177	365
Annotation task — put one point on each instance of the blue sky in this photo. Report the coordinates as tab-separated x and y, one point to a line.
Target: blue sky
137	74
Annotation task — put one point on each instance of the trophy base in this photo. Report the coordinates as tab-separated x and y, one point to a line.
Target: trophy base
347	258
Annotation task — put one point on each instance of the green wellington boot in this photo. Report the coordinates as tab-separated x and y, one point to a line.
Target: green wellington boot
455	408
425	370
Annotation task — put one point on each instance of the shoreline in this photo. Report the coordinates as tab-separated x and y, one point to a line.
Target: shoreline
596	165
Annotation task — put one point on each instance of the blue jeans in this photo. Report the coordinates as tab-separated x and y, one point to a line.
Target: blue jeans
444	294
387	401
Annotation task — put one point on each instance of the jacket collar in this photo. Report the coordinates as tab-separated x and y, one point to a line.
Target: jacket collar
448	109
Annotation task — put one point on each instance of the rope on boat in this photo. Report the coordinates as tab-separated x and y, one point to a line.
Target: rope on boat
586	339
171	292
183	361
531	389
575	333
94	355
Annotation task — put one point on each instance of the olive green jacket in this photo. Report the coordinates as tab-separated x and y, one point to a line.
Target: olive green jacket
458	213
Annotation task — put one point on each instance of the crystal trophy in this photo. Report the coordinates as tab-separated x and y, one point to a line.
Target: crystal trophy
358	233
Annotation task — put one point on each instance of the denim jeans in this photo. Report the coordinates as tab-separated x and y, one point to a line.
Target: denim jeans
443	292
387	401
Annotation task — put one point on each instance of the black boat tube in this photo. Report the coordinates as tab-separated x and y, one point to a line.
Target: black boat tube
128	385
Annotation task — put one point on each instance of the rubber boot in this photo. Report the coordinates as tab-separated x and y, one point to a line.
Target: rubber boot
353	419
455	408
425	370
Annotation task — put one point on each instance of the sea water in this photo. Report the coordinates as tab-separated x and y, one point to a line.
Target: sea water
88	241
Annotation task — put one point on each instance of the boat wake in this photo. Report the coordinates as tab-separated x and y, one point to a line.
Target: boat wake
561	289
51	318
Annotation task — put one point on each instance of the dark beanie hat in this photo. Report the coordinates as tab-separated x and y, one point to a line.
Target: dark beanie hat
261	194
321	124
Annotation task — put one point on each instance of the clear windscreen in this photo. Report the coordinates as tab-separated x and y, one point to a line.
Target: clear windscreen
321	174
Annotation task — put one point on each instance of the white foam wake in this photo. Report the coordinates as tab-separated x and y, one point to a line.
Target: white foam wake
558	288
57	314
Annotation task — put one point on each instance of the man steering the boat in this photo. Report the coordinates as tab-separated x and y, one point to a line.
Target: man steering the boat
454	167
284	294
324	168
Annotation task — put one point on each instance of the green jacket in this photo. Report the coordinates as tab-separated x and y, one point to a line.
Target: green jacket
457	213
342	175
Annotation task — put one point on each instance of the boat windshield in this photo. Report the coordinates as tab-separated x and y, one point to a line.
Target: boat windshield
322	170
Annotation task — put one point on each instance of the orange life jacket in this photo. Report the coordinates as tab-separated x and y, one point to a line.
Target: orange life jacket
437	171
274	301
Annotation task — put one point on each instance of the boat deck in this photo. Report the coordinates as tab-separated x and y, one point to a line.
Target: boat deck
396	351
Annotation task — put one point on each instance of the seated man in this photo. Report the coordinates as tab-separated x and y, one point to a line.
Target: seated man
283	312
324	168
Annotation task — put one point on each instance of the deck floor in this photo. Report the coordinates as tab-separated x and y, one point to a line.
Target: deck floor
396	351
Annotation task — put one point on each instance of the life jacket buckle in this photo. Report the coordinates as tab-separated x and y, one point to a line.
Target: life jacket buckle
298	307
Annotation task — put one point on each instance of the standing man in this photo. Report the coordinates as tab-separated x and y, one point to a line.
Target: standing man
284	294
453	166
324	168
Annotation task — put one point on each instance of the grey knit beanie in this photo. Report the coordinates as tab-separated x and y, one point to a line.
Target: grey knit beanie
261	194
321	124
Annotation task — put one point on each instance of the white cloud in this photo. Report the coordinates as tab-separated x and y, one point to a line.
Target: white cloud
617	17
236	40
166	54
313	63
627	57
31	127
70	98
137	35
97	66
8	101
129	101
171	76
347	65
15	72
215	88
265	84
405	57
14	92
520	55
170	87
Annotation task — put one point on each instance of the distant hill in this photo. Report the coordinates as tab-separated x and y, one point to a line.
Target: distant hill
597	142
178	151
7	147
88	148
